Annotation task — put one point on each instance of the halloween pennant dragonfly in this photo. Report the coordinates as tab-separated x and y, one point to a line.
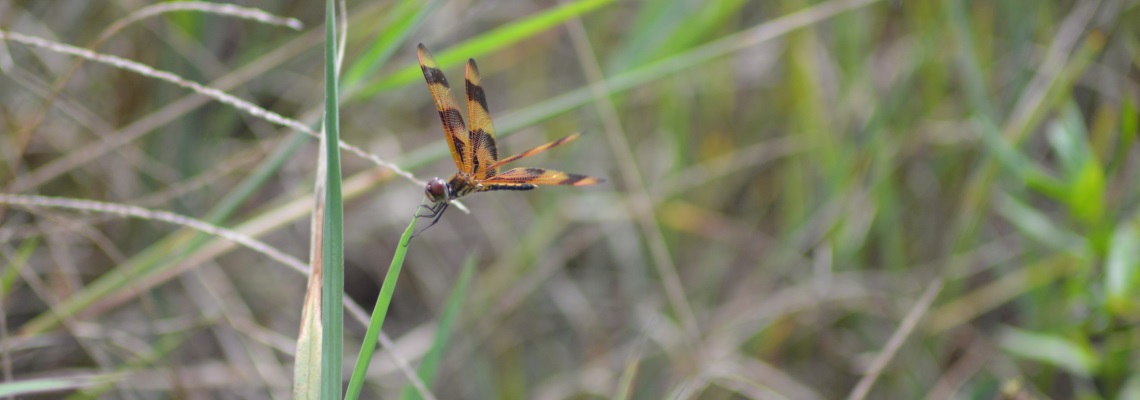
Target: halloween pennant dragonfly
474	149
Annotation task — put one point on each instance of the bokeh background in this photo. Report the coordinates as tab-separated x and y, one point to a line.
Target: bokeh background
805	199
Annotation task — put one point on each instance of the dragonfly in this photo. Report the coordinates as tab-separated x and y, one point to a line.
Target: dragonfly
474	150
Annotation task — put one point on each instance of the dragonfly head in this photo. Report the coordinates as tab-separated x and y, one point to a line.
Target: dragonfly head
437	190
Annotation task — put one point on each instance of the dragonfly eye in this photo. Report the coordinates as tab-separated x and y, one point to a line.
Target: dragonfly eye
436	190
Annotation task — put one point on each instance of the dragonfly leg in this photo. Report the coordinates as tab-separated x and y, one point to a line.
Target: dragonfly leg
437	212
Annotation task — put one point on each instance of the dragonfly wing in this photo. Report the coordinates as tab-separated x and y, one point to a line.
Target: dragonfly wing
457	136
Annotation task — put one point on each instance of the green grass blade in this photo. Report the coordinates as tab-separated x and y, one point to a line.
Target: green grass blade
486	43
625	385
403	20
332	246
654	23
1122	269
455	302
47	385
1083	173
377	322
973	79
1073	356
15	265
1018	164
703	22
1036	225
1129	122
1069	139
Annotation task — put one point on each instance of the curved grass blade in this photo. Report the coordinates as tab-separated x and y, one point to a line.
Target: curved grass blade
356	382
1072	355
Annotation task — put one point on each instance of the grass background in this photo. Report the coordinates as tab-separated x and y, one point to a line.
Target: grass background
805	199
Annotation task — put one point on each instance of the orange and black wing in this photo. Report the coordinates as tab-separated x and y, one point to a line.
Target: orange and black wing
457	136
529	178
482	129
534	151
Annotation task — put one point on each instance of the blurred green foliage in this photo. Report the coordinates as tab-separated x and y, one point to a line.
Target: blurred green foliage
809	168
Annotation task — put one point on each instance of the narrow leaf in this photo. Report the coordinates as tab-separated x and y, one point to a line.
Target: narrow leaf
356	383
1054	350
48	385
332	243
1034	224
1068	139
1086	193
625	386
1122	268
401	22
488	42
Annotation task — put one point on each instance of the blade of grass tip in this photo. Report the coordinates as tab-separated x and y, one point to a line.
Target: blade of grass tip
455	301
486	43
356	382
1073	355
332	245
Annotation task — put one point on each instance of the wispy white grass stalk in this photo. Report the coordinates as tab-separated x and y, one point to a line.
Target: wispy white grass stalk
353	309
32	201
213	93
231	10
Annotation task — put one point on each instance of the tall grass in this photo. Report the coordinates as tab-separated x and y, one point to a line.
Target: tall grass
845	198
